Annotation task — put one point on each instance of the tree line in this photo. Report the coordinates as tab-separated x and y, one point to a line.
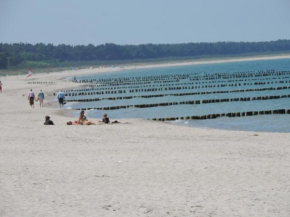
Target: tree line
17	54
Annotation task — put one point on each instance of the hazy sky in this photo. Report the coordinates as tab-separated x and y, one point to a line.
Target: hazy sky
142	21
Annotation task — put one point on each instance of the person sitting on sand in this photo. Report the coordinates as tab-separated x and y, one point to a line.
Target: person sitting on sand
83	119
105	120
48	121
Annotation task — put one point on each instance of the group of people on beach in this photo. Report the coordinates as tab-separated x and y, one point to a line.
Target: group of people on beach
40	97
32	98
82	120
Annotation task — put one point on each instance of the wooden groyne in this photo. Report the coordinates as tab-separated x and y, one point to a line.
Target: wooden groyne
84	92
178	85
230	114
41	82
102	85
193	102
173	94
179	77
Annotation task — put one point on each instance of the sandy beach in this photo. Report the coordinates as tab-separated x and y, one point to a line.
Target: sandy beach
136	168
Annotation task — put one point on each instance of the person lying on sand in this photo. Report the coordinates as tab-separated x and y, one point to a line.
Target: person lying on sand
115	122
77	123
48	121
72	123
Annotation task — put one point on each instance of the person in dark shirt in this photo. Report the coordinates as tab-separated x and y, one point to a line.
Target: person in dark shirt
105	120
31	97
48	121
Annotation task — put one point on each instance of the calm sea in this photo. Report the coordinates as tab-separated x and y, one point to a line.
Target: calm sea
269	123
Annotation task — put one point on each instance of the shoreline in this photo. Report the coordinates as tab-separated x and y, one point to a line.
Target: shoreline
164	64
182	63
60	77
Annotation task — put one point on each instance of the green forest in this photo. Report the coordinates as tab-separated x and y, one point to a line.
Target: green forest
48	55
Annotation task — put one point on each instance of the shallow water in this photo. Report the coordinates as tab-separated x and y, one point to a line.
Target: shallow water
256	123
271	123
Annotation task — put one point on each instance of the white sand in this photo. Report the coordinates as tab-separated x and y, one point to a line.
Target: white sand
141	168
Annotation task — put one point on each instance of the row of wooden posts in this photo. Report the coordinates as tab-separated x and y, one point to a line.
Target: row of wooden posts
196	102
230	114
191	76
85	93
94	87
178	94
102	86
164	82
41	82
133	85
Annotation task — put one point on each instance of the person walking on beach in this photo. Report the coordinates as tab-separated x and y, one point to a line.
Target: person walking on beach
60	95
0	87
31	97
40	98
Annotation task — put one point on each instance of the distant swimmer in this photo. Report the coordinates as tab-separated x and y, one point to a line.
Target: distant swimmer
31	97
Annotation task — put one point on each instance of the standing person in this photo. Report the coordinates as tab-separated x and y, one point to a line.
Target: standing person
31	97
60	95
0	87
40	98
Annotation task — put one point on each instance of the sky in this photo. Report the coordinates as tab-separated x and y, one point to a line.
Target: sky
82	22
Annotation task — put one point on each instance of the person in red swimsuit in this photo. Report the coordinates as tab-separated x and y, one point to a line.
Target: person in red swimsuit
0	87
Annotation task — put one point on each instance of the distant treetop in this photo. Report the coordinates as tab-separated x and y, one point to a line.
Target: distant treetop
18	53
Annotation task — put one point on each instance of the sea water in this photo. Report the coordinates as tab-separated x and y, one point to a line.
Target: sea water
269	123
